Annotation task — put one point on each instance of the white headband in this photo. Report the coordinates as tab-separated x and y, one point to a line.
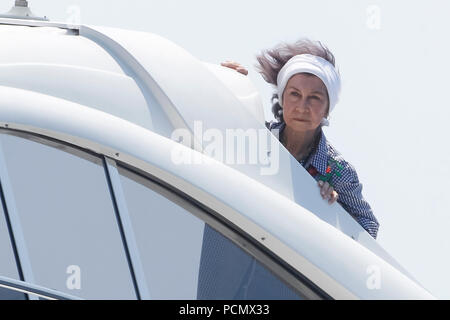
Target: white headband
308	63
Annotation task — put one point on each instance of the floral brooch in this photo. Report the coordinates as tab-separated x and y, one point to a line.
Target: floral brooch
333	168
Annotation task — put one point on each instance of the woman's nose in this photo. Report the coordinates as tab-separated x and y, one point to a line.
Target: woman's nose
302	105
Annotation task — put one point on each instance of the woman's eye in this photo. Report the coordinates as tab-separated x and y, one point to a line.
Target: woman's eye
315	97
294	93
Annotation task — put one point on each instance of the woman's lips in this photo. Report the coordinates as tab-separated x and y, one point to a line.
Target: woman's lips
302	120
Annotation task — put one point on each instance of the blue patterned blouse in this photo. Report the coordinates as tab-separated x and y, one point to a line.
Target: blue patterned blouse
327	164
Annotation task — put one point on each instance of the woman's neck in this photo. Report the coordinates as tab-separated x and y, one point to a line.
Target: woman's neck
299	143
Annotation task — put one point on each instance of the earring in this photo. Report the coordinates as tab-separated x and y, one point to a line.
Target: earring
325	122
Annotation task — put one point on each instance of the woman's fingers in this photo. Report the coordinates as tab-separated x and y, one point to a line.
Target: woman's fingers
333	198
325	189
234	65
327	192
230	63
242	70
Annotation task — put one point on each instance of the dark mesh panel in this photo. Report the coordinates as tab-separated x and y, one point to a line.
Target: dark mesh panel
227	272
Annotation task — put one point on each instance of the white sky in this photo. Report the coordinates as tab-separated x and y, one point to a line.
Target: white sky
390	122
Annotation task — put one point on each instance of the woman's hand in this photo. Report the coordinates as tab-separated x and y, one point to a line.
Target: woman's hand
327	192
234	65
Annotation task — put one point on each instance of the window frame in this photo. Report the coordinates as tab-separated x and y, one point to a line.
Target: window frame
285	273
34	290
270	260
25	270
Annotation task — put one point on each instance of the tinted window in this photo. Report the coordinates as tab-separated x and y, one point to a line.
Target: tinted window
7	294
8	265
184	258
68	219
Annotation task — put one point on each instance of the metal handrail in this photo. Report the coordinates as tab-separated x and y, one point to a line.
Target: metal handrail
30	288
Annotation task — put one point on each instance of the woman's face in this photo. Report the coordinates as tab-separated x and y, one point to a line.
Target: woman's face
305	102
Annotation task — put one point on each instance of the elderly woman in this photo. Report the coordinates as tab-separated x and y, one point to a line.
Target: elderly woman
307	87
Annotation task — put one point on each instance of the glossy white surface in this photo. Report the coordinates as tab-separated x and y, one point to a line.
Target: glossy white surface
107	91
190	92
325	255
47	45
241	87
82	89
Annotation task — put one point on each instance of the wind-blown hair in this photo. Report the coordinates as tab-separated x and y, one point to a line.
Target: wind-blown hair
271	61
